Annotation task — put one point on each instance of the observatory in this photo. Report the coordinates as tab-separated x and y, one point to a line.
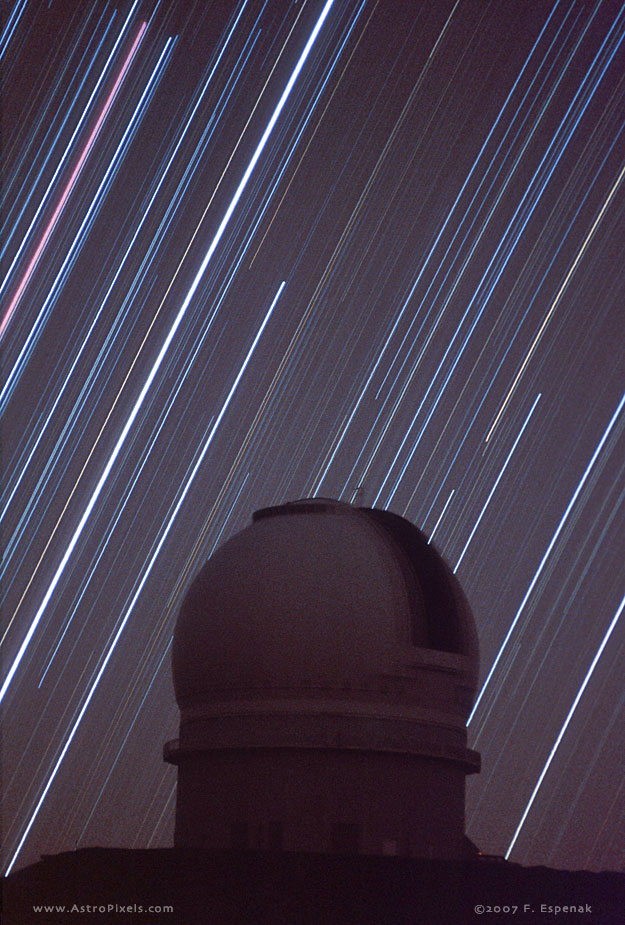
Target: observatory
325	662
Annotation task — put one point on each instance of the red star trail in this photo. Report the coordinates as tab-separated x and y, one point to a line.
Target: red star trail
262	250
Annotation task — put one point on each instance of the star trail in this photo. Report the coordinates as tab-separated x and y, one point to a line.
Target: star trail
259	250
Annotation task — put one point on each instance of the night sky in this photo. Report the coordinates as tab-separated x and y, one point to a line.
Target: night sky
257	251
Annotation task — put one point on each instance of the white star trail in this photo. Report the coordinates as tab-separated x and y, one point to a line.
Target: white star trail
562	523
265	250
565	724
146	574
163	351
72	180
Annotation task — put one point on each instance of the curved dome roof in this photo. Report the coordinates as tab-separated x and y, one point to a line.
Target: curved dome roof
319	593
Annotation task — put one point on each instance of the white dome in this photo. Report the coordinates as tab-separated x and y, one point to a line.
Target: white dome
316	594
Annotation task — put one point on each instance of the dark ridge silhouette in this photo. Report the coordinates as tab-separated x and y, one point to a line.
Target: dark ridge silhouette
301	889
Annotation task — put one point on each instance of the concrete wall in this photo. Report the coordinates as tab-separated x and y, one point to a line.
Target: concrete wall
320	800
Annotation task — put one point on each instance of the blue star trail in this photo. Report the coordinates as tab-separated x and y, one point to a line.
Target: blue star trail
263	250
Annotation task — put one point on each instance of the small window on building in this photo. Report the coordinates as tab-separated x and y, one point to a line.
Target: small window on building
345	838
271	836
239	836
389	846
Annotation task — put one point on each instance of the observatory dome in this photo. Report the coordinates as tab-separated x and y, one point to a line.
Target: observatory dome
320	594
325	662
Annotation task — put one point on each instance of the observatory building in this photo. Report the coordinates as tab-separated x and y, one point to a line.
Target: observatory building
325	662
